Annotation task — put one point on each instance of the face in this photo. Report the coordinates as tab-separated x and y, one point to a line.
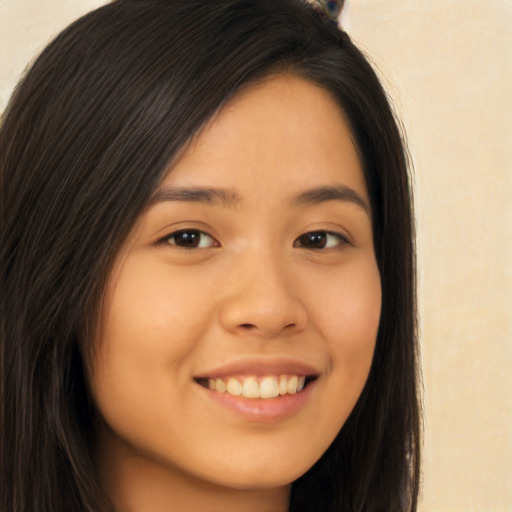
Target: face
241	317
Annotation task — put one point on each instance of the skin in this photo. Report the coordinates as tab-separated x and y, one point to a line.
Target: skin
254	289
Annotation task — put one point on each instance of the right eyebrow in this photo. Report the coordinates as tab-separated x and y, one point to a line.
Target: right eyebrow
207	195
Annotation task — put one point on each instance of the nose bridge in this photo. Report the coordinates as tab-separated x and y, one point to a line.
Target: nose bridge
261	299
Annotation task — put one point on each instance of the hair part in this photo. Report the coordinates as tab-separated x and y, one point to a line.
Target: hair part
88	136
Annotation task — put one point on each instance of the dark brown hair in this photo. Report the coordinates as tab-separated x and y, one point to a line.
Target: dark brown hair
88	136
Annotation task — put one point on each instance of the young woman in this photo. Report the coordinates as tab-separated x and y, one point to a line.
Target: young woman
208	293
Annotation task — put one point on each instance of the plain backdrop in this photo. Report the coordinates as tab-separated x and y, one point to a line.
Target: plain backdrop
447	65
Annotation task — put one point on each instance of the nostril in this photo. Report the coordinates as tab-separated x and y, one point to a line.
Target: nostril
252	327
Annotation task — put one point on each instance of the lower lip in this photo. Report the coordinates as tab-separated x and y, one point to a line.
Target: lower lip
264	410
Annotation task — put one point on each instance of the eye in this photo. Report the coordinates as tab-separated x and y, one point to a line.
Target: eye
320	240
190	239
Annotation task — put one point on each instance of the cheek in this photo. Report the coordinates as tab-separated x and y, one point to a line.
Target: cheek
149	308
149	326
350	299
348	314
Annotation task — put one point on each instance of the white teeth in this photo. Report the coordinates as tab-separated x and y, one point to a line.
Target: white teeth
283	385
267	387
292	384
234	387
250	388
220	385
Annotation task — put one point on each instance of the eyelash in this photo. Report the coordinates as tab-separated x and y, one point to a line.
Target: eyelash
326	240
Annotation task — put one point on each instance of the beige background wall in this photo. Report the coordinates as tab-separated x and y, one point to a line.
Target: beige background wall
447	64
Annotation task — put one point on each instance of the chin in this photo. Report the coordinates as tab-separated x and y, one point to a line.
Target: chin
266	474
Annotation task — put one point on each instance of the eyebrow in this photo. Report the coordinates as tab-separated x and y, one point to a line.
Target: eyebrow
206	195
330	193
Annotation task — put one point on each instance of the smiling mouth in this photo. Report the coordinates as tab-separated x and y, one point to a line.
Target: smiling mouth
252	387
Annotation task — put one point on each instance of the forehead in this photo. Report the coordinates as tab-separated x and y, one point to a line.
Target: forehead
284	133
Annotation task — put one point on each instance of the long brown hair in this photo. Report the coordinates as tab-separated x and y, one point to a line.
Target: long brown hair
87	137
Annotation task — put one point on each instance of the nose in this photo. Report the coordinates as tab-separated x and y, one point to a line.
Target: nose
261	301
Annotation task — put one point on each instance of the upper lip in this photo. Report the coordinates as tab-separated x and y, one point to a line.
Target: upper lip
260	367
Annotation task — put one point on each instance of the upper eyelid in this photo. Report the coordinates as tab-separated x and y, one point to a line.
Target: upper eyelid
178	227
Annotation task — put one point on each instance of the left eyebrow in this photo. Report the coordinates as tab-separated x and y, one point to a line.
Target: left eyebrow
336	193
225	197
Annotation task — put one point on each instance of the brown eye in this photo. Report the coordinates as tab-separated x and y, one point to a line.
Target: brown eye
190	239
319	240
